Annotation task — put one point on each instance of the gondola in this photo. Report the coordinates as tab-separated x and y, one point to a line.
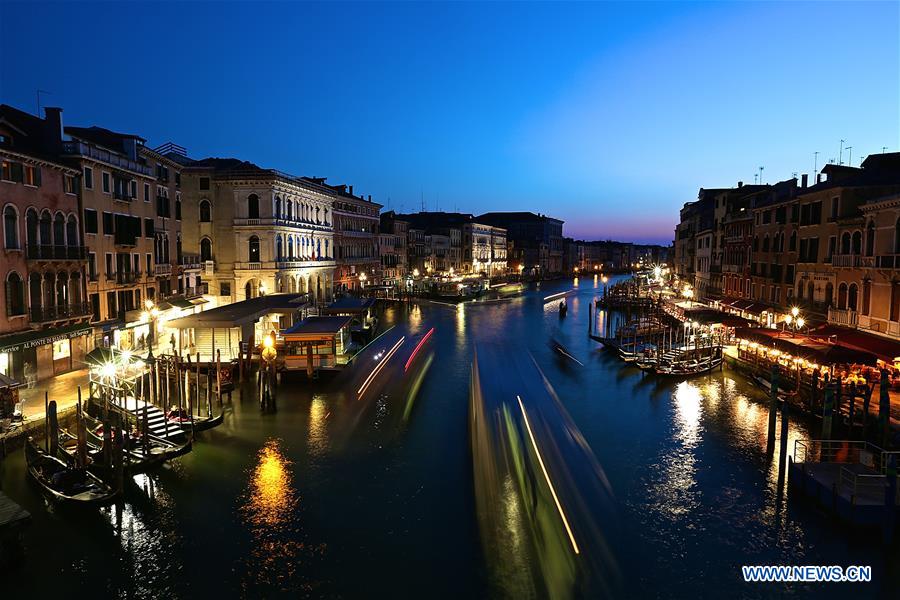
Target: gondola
65	484
695	366
159	449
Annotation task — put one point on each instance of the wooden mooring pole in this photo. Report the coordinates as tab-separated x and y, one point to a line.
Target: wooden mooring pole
884	409
827	411
773	408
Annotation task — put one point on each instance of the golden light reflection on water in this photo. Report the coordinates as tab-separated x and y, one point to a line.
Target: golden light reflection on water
318	426
270	511
271	497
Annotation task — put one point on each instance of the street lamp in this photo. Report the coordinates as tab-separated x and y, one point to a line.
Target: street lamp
151	314
362	280
689	294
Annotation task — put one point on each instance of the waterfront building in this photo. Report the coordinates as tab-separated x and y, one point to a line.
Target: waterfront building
44	319
398	230
775	246
737	235
356	224
257	230
536	239
391	257
130	229
864	238
832	228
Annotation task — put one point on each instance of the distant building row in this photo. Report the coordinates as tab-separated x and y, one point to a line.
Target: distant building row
832	247
95	224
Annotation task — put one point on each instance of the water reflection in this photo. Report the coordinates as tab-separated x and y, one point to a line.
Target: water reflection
318	426
270	513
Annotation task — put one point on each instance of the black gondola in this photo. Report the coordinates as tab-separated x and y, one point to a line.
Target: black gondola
65	484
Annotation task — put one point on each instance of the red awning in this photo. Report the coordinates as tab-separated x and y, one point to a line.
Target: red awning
885	349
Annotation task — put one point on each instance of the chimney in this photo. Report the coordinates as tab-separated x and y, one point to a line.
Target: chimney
740	184
818	178
53	116
370	197
351	190
804	180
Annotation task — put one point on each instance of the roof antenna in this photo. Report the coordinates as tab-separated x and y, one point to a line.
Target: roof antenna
841	153
815	162
39	92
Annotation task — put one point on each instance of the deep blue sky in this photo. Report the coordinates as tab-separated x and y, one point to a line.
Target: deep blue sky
607	115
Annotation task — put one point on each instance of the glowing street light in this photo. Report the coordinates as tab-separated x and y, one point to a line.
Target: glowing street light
415	272
362	280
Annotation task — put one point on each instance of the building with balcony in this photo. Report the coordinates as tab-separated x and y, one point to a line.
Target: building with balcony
44	318
257	230
394	261
537	239
834	249
356	225
736	226
119	192
775	243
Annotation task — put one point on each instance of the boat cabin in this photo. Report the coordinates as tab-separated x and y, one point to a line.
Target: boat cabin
317	343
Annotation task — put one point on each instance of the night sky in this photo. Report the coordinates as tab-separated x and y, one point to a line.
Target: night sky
609	116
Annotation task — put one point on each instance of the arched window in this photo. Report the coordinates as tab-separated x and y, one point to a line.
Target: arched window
765	246
317	215
290	247
829	294
856	249
277	207
10	228
59	230
845	243
205	249
48	288
897	237
177	210
15	295
75	288
793	245
205	211
866	296
46	228
851	298
842	296
279	248
62	289
72	232
34	291
290	210
253	248
870	239
31	228
252	206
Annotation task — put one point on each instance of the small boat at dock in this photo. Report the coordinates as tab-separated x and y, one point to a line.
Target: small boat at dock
63	483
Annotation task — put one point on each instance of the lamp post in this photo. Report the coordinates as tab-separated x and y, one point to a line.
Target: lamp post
689	294
604	279
151	314
269	354
362	280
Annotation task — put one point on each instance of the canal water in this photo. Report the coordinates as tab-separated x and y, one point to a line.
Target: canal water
337	494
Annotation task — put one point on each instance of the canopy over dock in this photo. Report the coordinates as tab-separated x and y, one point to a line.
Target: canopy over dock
318	343
809	348
222	328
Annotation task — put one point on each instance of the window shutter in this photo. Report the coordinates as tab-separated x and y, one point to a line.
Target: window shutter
37	176
17	173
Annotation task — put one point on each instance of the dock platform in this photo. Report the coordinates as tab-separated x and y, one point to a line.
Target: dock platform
846	477
12	516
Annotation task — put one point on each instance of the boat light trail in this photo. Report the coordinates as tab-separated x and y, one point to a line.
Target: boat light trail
379	367
416	350
374	340
564	353
547	477
558	295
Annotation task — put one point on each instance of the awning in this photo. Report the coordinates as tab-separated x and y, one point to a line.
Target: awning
241	313
884	348
708	316
810	348
39	337
316	327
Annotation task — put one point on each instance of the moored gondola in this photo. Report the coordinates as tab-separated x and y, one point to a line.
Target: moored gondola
64	484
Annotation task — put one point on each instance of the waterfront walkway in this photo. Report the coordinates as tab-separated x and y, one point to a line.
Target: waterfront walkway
62	388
